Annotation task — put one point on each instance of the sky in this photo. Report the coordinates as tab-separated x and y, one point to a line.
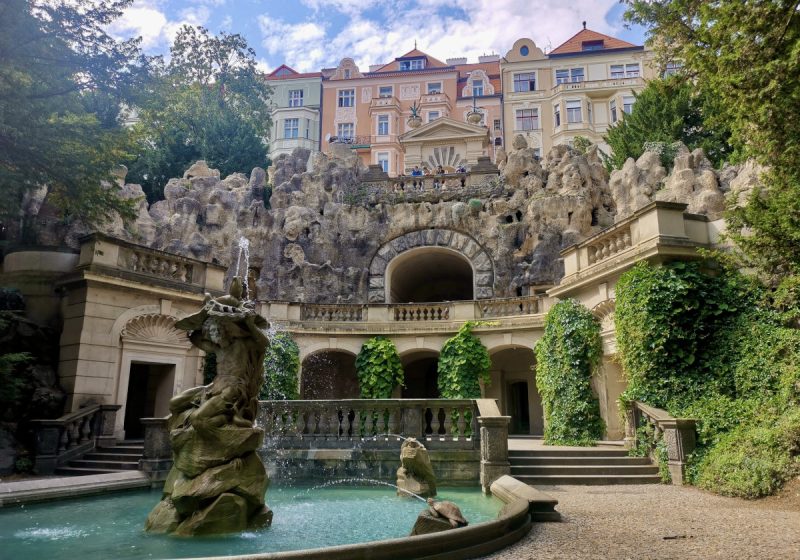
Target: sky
311	34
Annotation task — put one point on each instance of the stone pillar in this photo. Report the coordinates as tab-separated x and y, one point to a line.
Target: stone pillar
679	435
156	460
48	437
630	426
494	449
105	426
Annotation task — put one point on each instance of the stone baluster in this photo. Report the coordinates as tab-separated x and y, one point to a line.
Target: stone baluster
462	422
324	423
448	422
334	423
356	425
394	420
368	423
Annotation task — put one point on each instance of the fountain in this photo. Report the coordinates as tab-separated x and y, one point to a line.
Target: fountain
415	474
218	481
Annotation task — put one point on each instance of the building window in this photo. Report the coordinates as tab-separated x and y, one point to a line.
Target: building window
627	103
617	71
497	124
632	70
291	128
295	98
525	82
308	128
344	131
574	111
385	91
672	68
435	87
523	50
347	74
347	97
498	141
433	115
596	45
589	112
562	76
415	64
477	88
557	109
527	119
576	75
613	110
383	161
383	125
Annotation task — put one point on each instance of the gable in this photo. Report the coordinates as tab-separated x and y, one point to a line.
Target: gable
445	128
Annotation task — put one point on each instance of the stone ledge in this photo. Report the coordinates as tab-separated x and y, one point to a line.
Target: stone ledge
540	505
45	489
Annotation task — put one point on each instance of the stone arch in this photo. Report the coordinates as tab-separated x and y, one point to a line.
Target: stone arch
329	373
474	252
604	313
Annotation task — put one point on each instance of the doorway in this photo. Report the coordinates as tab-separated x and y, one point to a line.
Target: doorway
150	387
518	407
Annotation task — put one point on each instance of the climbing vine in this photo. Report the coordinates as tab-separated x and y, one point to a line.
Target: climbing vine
378	368
566	358
463	363
281	366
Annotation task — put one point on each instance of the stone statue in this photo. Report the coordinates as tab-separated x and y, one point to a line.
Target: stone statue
449	511
415	473
217	482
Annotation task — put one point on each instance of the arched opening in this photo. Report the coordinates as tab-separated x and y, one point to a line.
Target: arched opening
421	376
514	384
329	374
429	274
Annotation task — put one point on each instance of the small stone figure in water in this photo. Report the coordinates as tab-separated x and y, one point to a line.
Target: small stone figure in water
449	511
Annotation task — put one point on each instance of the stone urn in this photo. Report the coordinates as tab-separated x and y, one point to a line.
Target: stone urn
474	117
414	121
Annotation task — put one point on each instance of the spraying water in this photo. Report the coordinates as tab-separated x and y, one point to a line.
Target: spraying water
243	262
363	481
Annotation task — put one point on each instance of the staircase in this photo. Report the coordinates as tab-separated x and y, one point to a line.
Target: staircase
581	465
124	456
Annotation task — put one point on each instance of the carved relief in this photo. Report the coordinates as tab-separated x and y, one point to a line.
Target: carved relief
604	313
366	94
154	327
409	92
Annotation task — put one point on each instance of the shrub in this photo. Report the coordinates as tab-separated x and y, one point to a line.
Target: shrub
566	358
378	368
463	363
281	366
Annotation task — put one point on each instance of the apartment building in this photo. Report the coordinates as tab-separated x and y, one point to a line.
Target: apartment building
580	88
295	110
414	111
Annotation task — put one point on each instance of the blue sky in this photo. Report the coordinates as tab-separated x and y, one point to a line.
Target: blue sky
311	34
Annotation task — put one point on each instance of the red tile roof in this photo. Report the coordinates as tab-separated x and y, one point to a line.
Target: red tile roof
575	43
413	53
292	75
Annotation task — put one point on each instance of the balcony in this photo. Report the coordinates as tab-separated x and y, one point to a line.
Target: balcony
434	99
599	87
384	103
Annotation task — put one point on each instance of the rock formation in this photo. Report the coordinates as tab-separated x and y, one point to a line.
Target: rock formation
217	483
416	472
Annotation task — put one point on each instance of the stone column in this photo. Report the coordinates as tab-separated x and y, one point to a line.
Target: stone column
48	438
679	435
494	449
107	418
156	460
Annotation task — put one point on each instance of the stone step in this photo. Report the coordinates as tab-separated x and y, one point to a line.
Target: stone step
126	449
583	470
132	442
570	452
82	471
108	465
110	455
587	480
577	461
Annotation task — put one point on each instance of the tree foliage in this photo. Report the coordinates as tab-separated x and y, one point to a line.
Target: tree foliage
668	111
566	358
746	56
378	368
463	363
62	82
281	367
208	102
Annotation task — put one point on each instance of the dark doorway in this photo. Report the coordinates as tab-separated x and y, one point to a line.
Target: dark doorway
421	378
430	275
520	412
329	375
149	391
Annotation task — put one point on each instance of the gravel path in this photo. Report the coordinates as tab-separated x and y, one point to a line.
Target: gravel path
658	522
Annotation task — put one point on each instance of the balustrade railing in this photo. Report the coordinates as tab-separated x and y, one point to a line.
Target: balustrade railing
508	307
609	245
372	422
338	312
61	439
156	264
421	312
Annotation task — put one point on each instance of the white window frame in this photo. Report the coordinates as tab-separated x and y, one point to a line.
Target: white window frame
564	78
632	70
613	106
382	120
520	81
528	121
383	94
381	158
413	64
477	85
433	87
342	128
433	115
573	74
627	104
497	124
295	98
344	100
291	128
557	114
616	71
574	111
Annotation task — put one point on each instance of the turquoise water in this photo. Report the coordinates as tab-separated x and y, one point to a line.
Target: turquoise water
110	527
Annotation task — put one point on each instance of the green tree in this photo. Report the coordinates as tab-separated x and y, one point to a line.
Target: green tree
463	362
281	366
62	82
746	56
378	368
208	102
668	111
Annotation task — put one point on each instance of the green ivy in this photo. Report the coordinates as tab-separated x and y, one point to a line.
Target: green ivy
566	358
378	368
463	363
281	366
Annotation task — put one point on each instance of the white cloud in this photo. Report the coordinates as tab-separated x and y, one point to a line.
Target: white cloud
145	19
442	28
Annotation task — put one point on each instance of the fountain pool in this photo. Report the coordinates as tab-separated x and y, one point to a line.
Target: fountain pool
111	526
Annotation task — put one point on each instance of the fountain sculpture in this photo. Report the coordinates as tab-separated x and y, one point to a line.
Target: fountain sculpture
415	474
217	483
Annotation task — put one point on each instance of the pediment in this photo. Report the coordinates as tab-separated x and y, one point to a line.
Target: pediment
445	128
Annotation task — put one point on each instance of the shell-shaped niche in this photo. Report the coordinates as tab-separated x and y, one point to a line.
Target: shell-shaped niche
154	327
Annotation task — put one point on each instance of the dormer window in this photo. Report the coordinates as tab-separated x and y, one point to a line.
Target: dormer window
477	88
592	45
283	72
413	64
347	74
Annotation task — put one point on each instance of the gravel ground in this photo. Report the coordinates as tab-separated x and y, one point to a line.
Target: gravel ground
659	522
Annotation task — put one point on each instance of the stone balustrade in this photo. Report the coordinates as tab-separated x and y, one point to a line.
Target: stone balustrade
679	435
608	245
335	312
61	439
421	312
508	307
